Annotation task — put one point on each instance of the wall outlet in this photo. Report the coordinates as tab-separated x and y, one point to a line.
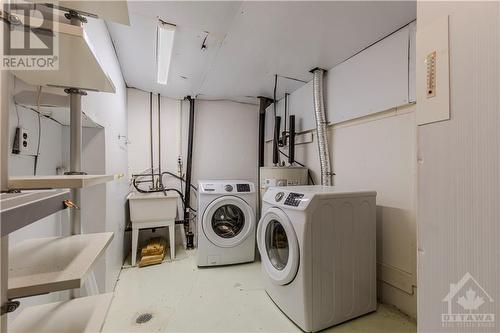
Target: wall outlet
22	142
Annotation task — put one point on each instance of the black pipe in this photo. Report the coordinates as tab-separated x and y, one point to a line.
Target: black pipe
291	140
264	103
286	115
277	123
276	134
189	161
151	136
159	136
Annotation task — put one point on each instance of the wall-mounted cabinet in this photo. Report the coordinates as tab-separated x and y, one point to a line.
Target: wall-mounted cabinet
372	81
377	79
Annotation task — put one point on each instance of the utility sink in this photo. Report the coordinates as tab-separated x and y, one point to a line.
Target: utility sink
151	207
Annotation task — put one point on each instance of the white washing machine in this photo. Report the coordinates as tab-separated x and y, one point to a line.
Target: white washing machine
317	245
226	222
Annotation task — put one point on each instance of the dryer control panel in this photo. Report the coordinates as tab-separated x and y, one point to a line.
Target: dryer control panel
293	199
281	196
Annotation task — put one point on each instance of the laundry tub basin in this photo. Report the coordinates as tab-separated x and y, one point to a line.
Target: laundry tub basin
150	207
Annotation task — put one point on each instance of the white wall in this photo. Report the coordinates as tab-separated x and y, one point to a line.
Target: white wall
110	110
225	138
93	198
21	165
139	133
459	163
225	141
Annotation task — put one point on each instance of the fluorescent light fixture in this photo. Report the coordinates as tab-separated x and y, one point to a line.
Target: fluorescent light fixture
164	45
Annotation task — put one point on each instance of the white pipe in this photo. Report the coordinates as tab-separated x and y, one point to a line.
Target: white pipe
321	127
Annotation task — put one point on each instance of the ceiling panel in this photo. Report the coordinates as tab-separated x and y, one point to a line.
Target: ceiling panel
249	42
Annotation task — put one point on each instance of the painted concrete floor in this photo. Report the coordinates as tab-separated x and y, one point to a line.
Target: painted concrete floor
183	298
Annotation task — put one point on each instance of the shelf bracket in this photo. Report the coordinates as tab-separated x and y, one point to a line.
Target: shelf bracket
74	15
9	306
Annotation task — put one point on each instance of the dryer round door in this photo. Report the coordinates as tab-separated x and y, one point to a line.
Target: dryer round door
228	221
278	246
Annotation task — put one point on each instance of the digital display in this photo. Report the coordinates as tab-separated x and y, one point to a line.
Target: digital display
293	199
243	187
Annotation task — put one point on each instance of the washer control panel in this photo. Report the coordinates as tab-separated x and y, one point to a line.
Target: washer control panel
293	199
225	186
279	196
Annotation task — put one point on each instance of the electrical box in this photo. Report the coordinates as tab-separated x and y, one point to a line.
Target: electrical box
22	142
433	73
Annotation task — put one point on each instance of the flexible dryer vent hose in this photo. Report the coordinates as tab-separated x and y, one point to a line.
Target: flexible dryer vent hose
321	127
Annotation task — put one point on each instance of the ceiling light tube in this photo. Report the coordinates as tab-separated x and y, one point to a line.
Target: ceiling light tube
164	46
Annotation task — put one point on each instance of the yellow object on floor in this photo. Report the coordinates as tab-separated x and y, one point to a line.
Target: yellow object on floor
153	253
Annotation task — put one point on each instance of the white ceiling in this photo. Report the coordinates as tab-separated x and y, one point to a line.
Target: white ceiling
248	42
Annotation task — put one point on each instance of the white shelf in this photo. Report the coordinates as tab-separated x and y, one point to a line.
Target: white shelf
116	11
20	209
49	98
85	314
44	265
79	67
66	181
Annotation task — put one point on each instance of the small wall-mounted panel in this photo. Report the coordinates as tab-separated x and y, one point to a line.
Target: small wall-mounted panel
372	81
433	77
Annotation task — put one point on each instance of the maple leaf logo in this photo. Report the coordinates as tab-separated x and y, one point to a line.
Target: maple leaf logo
470	301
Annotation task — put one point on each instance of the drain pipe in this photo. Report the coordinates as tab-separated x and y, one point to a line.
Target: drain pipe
187	189
321	127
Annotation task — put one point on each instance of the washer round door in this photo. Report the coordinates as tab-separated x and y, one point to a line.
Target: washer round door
228	221
278	246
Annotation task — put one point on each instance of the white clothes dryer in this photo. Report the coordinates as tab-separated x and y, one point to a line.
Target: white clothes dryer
318	250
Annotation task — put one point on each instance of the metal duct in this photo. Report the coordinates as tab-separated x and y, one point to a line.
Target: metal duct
321	129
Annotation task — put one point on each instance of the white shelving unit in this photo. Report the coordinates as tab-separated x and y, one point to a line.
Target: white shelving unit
21	209
86	314
39	266
64	181
45	265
